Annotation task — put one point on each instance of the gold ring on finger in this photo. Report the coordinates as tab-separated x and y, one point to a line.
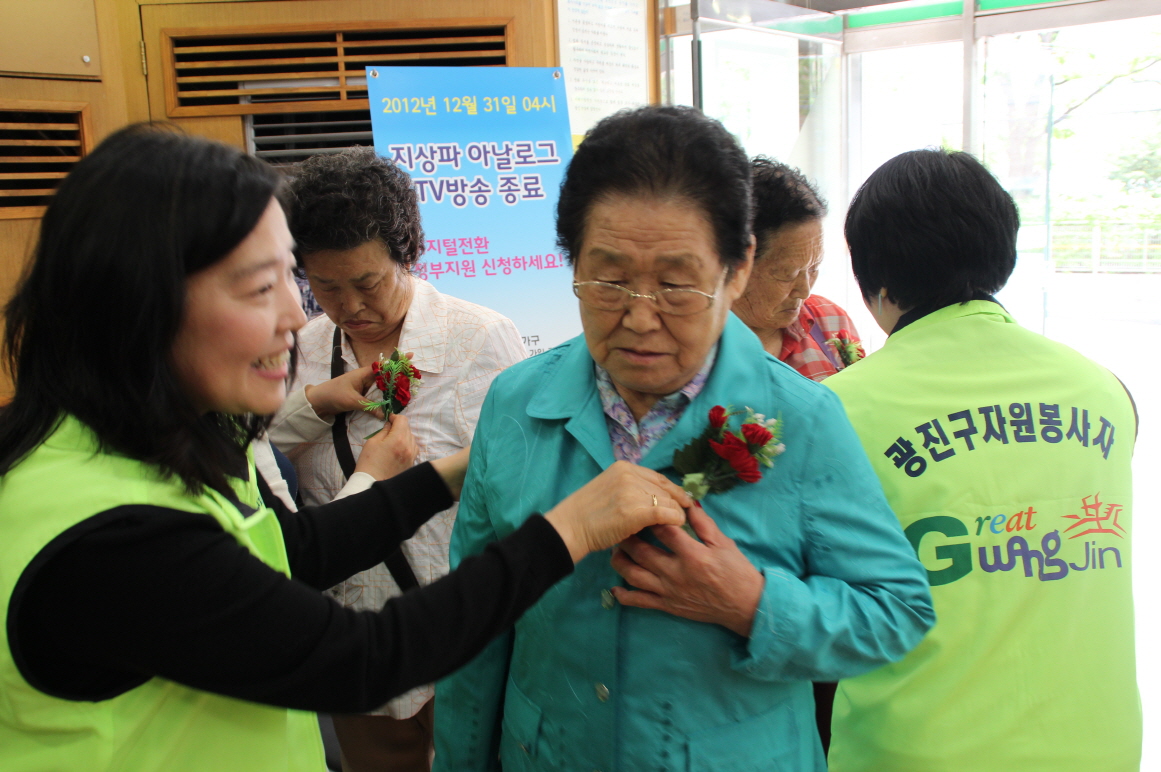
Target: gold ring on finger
654	499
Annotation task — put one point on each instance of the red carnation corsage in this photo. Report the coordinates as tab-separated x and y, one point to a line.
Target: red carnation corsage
396	378
848	348
720	458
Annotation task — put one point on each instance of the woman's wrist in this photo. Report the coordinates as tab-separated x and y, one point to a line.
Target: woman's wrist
453	470
564	529
749	597
316	405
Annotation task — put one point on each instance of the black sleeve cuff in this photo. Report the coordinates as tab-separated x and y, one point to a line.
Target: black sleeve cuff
549	555
416	495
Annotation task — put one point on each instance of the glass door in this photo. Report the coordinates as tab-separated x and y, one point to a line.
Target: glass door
899	98
1071	124
902	99
772	74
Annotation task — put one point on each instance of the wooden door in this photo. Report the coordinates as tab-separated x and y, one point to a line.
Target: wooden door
213	64
54	105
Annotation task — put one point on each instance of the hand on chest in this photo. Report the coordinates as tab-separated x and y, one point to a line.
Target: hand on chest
534	471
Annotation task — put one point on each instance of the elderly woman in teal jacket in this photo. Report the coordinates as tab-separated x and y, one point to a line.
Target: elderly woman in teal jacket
673	652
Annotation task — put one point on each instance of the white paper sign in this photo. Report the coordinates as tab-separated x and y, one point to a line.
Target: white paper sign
604	51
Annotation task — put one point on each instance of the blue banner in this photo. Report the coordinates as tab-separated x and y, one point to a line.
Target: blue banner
487	148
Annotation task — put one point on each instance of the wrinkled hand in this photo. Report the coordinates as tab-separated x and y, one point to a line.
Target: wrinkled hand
389	452
614	504
711	581
339	395
453	469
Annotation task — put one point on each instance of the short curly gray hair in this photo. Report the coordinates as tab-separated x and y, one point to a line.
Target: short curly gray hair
782	196
342	200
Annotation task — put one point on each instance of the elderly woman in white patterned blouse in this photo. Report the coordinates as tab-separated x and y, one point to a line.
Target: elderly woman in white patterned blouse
355	219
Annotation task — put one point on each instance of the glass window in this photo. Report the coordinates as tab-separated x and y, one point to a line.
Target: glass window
901	99
904	99
781	96
1071	124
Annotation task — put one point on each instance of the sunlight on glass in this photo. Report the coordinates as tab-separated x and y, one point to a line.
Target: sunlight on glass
1072	127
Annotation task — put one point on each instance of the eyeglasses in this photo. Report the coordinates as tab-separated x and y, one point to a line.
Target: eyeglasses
604	296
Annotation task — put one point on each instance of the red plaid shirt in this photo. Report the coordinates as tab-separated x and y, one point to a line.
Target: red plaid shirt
799	348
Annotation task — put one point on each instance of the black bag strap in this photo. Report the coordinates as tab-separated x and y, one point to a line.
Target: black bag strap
396	562
339	429
401	571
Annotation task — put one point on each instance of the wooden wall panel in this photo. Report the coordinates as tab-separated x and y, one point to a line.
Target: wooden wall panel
74	93
51	37
228	129
107	111
17	239
531	29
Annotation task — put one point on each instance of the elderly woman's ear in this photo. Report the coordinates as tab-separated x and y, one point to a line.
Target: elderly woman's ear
739	275
745	268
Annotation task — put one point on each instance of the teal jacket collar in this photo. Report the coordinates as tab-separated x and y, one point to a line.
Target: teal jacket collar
570	392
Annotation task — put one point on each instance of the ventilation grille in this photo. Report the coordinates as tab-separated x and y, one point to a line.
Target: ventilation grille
261	73
288	138
37	149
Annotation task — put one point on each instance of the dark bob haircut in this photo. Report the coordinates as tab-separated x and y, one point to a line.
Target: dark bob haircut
342	200
91	328
782	196
662	152
932	228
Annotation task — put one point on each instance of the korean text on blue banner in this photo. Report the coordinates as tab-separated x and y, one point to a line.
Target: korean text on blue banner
486	148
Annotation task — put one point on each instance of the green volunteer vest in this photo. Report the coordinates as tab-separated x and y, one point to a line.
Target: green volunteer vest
1006	457
160	726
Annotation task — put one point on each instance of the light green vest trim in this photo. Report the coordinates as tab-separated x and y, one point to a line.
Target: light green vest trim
160	726
1033	599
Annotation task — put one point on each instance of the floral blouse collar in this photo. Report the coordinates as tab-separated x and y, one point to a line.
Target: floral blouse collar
632	439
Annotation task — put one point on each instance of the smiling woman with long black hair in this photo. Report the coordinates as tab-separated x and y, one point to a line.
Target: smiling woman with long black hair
161	608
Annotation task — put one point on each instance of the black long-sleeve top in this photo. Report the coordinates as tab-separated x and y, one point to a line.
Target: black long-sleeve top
143	591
